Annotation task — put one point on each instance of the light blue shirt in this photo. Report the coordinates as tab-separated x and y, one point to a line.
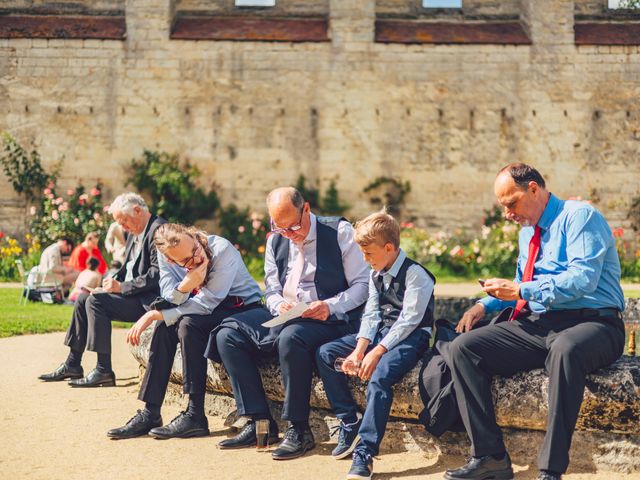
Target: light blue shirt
578	266
356	272
228	275
417	294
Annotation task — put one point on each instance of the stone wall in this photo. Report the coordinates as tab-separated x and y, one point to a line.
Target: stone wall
254	115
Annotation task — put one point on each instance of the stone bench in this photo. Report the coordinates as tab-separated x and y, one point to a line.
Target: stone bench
608	429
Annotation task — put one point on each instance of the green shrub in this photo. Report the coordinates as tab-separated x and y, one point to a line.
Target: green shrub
73	214
172	187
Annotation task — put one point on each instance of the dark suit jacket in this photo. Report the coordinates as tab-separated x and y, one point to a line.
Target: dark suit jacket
146	273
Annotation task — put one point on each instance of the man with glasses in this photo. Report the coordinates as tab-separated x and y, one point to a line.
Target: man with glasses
308	259
202	281
124	297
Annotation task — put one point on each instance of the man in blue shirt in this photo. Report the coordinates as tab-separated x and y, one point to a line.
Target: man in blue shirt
564	310
202	281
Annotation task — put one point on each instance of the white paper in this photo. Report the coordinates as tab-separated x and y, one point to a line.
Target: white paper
94	290
295	312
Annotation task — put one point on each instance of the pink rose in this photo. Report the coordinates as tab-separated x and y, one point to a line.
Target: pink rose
70	191
46	191
241	228
95	192
256	224
58	201
81	201
96	216
76	221
50	196
105	209
55	215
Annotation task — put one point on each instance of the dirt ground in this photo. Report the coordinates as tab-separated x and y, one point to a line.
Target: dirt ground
51	431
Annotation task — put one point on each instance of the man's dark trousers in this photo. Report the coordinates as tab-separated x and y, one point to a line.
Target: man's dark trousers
192	333
568	344
390	369
296	347
90	326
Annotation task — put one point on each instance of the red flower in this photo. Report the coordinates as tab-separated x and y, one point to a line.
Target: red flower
95	192
1	234
618	232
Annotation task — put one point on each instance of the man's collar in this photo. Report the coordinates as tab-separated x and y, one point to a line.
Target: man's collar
313	229
550	212
395	268
144	230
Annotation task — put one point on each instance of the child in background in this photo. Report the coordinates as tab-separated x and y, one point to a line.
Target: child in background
89	277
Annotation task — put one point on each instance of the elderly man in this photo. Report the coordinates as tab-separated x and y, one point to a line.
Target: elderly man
125	297
308	259
564	314
51	266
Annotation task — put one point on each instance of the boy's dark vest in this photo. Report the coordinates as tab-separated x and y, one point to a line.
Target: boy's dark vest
390	300
329	279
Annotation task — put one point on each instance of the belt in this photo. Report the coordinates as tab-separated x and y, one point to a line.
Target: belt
589	312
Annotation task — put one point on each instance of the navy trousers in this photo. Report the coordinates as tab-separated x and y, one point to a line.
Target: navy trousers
392	367
192	333
90	326
241	343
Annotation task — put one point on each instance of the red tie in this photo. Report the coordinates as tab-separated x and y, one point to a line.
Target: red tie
527	276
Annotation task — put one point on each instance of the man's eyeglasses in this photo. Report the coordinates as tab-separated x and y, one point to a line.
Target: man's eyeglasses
291	229
188	263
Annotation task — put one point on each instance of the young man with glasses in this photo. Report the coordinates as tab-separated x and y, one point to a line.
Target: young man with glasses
202	281
308	259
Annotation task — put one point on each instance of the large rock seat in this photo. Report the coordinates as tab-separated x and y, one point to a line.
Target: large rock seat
610	412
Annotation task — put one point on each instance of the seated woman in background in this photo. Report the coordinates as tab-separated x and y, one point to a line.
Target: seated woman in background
88	248
89	277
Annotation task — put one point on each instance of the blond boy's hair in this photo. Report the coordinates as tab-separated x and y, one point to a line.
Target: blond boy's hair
379	228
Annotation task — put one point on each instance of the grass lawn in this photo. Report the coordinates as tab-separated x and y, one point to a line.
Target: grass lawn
37	317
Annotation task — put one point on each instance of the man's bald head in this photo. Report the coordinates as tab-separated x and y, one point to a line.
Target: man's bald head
282	196
287	208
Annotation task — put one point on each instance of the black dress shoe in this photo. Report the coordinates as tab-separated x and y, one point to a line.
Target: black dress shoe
247	437
185	425
95	379
295	444
483	468
139	425
546	475
62	373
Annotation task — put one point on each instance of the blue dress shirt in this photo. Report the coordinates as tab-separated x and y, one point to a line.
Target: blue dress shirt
228	275
578	266
417	294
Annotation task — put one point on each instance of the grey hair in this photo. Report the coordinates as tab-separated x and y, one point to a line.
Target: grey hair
290	193
125	202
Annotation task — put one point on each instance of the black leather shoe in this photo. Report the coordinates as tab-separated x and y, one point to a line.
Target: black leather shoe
295	444
95	379
62	373
544	475
483	468
247	437
184	425
139	425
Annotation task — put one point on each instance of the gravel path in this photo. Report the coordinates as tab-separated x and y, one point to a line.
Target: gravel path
51	431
